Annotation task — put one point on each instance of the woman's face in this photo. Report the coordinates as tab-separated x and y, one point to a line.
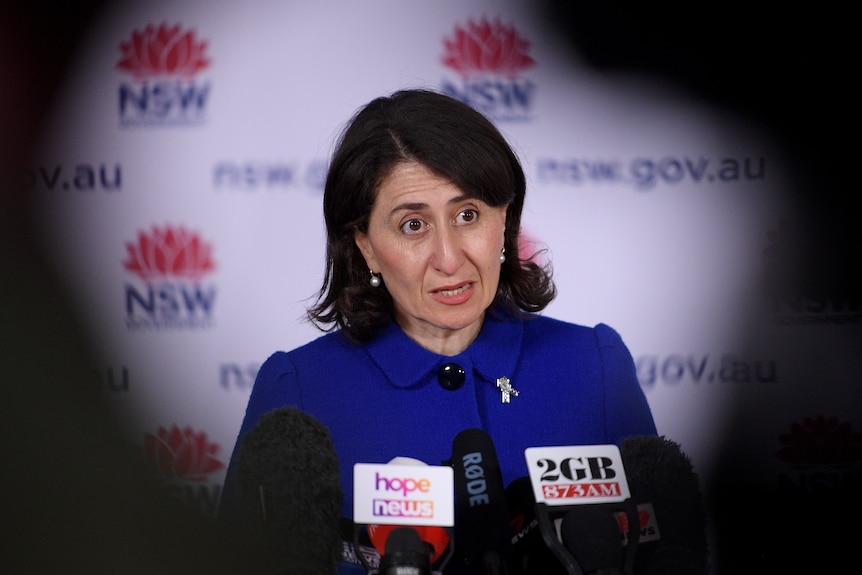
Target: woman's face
438	252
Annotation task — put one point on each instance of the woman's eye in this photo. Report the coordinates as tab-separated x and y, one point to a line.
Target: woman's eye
412	226
467	216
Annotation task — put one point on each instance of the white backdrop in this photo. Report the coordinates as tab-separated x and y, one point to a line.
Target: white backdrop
658	212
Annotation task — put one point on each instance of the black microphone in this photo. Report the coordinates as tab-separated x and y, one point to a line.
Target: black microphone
660	529
662	475
405	553
480	502
434	538
581	491
289	494
528	555
406	509
591	533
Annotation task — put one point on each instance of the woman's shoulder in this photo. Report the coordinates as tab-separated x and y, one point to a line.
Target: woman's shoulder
547	336
325	345
601	333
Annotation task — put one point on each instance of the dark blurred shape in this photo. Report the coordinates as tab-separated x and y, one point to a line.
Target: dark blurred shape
789	71
75	499
289	493
785	70
660	473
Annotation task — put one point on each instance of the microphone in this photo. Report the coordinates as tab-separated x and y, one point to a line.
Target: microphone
405	553
637	509
529	555
480	502
407	507
591	534
580	491
434	537
289	494
662	475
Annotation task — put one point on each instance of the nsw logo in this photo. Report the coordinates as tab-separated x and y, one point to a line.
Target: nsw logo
490	58
170	292
164	87
815	297
184	459
824	458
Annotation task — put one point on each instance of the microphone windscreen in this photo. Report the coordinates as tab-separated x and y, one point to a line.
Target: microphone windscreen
289	491
660	473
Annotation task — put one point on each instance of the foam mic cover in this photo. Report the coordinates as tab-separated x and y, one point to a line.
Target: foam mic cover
660	473
482	514
289	492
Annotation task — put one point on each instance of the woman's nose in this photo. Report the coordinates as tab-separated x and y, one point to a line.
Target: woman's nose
448	254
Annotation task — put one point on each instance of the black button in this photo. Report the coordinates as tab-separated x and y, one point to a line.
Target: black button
451	376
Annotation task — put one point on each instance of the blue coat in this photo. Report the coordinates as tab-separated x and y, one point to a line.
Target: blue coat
576	385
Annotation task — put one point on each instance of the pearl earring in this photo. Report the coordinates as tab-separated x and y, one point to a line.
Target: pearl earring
503	255
375	279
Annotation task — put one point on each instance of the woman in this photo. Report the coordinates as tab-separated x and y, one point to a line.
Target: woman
433	311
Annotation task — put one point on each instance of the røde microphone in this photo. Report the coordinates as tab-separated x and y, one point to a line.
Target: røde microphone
409	508
289	494
480	503
662	475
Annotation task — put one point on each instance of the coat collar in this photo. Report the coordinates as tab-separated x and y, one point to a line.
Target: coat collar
493	354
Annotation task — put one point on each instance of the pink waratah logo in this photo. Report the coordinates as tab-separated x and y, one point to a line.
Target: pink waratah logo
169	251
487	47
163	51
821	441
181	454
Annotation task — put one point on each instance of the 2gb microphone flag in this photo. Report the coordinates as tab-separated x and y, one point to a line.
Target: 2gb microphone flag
577	474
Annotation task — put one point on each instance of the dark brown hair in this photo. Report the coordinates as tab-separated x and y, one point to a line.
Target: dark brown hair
454	141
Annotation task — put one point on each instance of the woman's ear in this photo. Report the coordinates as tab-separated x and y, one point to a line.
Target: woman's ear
364	246
505	211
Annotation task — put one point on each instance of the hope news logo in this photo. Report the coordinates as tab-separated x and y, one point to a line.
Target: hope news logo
401	507
163	62
185	459
490	58
171	263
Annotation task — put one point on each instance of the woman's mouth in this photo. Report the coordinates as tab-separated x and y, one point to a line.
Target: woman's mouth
454	291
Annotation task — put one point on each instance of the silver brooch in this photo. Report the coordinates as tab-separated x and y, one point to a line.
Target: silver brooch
506	389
